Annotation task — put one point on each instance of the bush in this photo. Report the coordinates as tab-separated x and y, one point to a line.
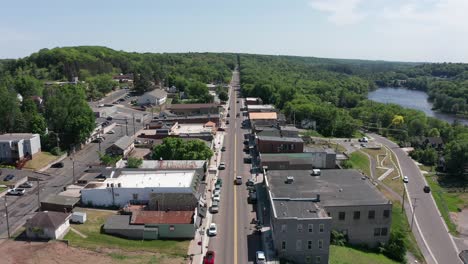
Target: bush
396	247
56	151
338	238
134	162
346	164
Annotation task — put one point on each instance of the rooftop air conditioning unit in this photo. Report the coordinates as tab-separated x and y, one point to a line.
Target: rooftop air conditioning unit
315	172
289	179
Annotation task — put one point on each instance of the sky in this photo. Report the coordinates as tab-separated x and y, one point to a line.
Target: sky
395	30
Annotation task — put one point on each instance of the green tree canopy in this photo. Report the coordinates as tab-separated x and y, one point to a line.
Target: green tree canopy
179	149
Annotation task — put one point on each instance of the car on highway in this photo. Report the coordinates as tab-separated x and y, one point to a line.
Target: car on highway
222	166
209	257
9	177
26	185
238	180
16	191
405	179
57	165
260	257
217	197
212	230
427	189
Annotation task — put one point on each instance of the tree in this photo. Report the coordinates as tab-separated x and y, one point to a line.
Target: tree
223	96
100	85
134	162
179	149
396	247
456	156
68	114
108	160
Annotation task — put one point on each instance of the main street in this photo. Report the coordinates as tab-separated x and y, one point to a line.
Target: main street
432	234
236	241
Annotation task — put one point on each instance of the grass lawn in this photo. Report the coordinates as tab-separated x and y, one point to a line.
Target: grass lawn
400	222
40	161
2	189
347	255
97	241
360	161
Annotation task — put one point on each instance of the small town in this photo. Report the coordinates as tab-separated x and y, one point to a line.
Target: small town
162	146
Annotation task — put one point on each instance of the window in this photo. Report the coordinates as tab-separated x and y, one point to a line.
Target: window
357	215
298	245
299	228
308	259
383	231
341	215
371	214
376	231
328	213
309	244
386	213
283	245
283	228
318	259
135	196
320	244
171	228
311	228
321	228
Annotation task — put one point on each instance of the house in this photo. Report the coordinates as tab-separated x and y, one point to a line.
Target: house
211	87
353	206
121	147
175	190
194	109
192	119
263	119
319	159
123	78
18	146
172	89
275	144
48	225
149	225
154	97
253	101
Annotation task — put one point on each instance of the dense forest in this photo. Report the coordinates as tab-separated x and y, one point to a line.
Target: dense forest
333	93
65	113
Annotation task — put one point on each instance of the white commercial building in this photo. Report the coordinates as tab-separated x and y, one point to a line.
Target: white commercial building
155	97
160	190
14	147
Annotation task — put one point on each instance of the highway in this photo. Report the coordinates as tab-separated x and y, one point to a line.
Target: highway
433	237
236	241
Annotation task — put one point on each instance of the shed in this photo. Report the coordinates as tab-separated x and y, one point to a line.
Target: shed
47	225
122	147
59	203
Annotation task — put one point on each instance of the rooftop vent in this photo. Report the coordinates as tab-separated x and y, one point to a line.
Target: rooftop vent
315	172
340	190
290	179
119	184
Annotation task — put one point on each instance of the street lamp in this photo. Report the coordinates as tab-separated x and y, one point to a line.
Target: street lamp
7	218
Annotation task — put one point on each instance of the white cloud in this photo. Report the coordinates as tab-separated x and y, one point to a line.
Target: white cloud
341	12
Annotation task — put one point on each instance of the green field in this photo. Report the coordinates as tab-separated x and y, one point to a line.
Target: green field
347	255
97	241
360	161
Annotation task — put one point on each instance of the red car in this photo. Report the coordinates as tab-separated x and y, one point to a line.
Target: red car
209	258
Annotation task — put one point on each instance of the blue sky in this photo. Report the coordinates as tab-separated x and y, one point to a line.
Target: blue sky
398	30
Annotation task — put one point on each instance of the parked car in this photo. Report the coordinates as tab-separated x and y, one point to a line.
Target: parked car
209	257
16	191
216	191
237	101
223	148
217	197
98	140
250	182
222	166
405	179
364	139
57	165
238	180
213	230
214	207
252	197
227	122
9	177
111	132
260	257
26	185
427	189
219	181
109	118
228	115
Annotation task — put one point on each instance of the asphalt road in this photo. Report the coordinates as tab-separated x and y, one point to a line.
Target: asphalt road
433	232
236	241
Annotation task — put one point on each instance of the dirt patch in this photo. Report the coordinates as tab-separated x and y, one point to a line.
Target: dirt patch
19	252
461	220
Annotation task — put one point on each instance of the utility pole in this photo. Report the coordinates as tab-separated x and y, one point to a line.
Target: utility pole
73	164
134	128
126	126
404	192
7	221
38	196
414	210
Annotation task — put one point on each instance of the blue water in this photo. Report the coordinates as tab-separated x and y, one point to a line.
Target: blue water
411	99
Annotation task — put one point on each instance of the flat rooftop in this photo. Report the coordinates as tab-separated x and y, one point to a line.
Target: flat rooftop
17	136
147	179
335	187
172	164
162	217
286	208
291	157
261	107
191	129
192	106
263	115
285	139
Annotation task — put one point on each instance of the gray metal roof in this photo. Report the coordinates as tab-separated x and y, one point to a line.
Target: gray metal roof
123	142
284	139
286	208
158	93
335	187
120	222
17	136
61	200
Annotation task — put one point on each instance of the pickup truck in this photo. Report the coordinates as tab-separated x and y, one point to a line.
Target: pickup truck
16	191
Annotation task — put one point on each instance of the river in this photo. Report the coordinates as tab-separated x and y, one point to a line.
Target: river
411	99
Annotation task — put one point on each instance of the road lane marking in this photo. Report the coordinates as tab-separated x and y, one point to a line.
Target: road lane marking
235	195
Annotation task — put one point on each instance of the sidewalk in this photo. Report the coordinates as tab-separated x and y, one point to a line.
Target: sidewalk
198	246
